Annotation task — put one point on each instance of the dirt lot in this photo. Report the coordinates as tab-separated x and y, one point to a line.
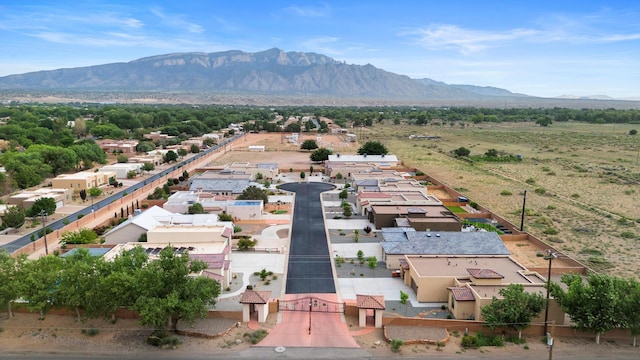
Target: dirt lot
286	154
62	334
581	181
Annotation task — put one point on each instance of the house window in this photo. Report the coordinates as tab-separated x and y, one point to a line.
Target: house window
453	302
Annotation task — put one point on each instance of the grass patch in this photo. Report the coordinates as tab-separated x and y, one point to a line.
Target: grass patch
456	209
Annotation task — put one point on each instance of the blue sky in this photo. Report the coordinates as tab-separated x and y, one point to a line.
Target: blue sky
541	48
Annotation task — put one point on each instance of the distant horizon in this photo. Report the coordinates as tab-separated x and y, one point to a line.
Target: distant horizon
544	49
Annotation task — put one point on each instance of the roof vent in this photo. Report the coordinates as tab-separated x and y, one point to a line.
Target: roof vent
437	235
428	235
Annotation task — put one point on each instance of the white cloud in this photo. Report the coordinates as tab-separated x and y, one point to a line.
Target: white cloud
178	21
308	11
466	41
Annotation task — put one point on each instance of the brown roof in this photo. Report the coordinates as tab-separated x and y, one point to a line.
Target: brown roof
370	302
255	297
484	274
462	293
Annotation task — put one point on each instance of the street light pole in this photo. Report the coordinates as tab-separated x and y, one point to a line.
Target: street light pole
310	307
44	232
546	311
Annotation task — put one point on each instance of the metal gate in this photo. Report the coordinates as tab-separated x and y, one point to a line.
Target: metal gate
311	304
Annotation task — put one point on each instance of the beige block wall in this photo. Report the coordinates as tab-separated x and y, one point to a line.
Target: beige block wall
462	310
433	289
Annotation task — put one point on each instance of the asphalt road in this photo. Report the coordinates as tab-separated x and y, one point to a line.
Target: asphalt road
59	224
309	268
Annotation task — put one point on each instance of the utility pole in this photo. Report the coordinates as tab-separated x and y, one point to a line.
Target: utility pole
524	202
44	232
546	311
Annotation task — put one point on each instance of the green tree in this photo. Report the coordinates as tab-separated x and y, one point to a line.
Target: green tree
194	149
320	155
309	145
630	303
46	203
461	152
196	209
633	132
302	175
81	236
170	156
593	306
145	146
254	193
83	194
544	121
515	310
58	158
356	235
245	244
343	194
78	282
225	217
347	212
9	284
360	255
122	159
94	192
171	293
372	261
13	217
182	152
147	166
404	297
373	148
39	280
118	283
491	153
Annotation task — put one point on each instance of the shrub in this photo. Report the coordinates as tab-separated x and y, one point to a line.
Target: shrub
506	193
550	231
540	191
473	204
256	336
530	181
90	331
628	235
395	345
468	341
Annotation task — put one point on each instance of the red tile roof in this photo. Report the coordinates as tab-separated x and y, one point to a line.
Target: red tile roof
255	297
484	274
370	302
462	293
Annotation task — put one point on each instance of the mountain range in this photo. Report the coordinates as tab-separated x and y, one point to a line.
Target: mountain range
271	73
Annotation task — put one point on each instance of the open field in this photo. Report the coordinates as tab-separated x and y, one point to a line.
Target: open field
590	176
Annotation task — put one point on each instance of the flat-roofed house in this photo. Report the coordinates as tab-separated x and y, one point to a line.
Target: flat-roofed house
399	242
467	282
431	217
221	183
122	169
83	180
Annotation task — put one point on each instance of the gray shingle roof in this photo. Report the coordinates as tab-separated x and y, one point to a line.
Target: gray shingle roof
443	243
234	186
